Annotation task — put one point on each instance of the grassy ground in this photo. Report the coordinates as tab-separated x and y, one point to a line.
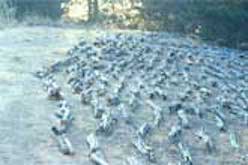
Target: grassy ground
25	113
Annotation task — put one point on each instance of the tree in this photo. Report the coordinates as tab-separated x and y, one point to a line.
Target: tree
93	9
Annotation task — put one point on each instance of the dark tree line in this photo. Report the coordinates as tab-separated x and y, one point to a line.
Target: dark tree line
47	8
223	21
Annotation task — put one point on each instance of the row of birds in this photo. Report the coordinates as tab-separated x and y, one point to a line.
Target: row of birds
120	74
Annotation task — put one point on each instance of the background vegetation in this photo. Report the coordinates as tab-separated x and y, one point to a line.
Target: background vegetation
7	12
224	22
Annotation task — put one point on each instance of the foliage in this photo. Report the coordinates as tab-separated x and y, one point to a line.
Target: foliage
223	21
7	12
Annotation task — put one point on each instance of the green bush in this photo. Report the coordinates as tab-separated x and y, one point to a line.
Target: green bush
223	21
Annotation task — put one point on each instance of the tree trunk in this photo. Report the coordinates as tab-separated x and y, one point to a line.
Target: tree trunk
90	10
95	8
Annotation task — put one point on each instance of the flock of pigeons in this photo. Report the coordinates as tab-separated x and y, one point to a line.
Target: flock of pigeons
152	83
